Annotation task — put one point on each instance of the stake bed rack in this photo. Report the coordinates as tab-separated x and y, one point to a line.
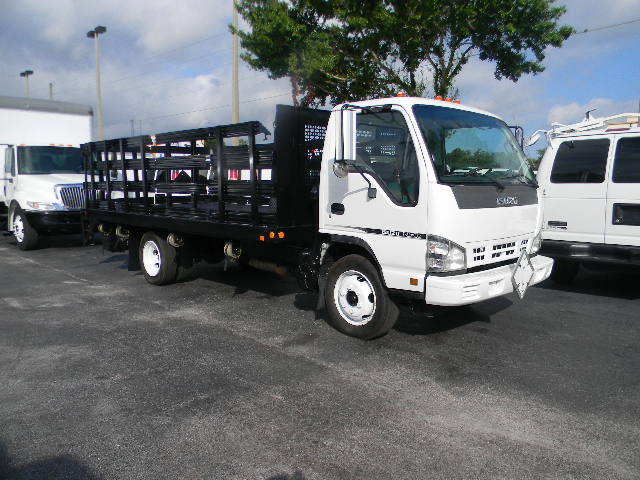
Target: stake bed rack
194	182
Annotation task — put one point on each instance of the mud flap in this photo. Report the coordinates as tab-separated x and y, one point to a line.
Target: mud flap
133	263
322	285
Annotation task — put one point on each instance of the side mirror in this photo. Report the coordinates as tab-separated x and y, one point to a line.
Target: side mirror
533	139
340	168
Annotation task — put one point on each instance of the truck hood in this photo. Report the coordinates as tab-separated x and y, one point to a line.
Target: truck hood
471	214
41	188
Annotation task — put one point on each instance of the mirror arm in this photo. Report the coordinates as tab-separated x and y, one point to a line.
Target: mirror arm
371	191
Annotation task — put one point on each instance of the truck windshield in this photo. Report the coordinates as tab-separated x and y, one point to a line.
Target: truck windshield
47	160
468	147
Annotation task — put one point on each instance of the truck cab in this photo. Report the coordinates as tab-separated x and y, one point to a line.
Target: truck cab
440	194
590	178
41	187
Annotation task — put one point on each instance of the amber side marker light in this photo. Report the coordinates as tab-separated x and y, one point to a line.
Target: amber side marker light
272	234
261	238
413	281
280	234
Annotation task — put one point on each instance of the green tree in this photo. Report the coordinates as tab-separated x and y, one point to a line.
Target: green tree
352	49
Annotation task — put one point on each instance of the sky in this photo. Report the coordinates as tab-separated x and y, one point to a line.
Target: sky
166	65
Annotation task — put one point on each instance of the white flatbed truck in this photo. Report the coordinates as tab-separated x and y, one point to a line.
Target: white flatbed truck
41	167
428	200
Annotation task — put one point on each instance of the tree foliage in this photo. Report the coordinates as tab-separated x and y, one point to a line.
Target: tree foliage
342	50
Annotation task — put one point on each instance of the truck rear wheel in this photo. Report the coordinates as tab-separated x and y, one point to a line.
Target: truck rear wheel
356	301
158	260
26	236
564	272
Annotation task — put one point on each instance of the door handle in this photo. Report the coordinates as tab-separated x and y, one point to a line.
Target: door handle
337	208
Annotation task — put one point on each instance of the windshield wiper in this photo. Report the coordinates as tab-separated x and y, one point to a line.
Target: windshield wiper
523	179
495	181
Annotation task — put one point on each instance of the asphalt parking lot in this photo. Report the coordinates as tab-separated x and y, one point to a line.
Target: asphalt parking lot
234	375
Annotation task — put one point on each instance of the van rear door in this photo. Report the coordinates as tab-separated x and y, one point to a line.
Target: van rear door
575	195
622	221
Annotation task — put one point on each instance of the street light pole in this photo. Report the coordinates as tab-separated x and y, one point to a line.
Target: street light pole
95	33
51	90
25	75
235	115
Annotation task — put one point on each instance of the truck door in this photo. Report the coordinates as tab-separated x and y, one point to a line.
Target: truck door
622	219
380	201
575	195
8	175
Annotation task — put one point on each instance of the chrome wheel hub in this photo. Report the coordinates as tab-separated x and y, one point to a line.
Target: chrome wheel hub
355	298
18	228
151	258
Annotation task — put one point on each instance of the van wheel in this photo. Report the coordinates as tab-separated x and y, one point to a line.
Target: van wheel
564	272
26	236
158	260
356	302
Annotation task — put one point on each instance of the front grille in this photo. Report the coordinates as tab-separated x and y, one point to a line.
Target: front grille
71	196
490	253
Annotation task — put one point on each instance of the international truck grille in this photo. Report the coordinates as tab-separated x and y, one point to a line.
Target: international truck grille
71	196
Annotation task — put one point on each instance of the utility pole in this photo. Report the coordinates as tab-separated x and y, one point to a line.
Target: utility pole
95	33
132	129
235	114
25	75
50	90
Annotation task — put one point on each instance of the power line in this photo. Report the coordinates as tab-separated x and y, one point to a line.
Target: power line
187	45
128	77
605	27
213	108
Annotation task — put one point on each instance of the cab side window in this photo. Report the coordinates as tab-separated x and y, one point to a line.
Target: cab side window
626	168
580	161
9	162
385	150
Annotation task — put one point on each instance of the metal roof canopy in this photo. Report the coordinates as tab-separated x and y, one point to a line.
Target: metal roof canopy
42	105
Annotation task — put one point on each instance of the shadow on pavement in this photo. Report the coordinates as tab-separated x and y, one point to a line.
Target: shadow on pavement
297	475
441	319
603	281
61	467
429	319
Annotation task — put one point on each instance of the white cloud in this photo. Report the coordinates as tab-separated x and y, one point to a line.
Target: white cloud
574	112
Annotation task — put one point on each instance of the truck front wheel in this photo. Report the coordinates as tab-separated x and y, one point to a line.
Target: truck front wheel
356	301
26	236
158	260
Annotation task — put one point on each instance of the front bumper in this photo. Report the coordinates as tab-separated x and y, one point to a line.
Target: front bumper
55	221
475	287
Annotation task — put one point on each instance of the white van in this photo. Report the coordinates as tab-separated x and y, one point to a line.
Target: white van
590	179
41	166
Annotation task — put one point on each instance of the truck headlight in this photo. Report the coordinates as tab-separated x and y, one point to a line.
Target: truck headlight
41	205
444	256
536	244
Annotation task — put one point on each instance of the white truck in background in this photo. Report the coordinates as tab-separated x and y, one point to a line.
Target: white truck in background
590	181
41	166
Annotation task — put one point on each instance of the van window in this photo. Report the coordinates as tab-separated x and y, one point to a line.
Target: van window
626	168
580	161
385	150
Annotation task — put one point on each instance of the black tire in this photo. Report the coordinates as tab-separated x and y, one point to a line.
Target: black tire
564	272
167	260
358	270
28	238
